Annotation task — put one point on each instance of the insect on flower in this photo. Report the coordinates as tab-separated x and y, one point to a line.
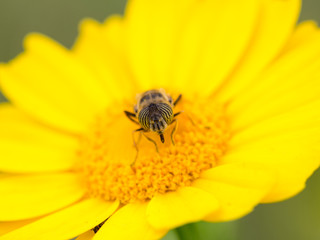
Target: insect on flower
154	112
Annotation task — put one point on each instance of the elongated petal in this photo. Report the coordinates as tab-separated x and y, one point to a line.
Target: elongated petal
279	88
130	222
175	44
66	223
185	205
282	130
101	48
152	37
299	119
6	227
238	189
27	146
302	34
274	27
275	123
47	82
293	155
24	197
204	58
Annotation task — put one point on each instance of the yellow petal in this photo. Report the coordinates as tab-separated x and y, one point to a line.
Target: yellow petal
129	222
206	40
300	118
137	18
6	227
238	189
166	40
47	82
280	89
101	48
24	197
302	33
67	223
276	23
27	146
153	28
292	155
185	205
86	236
275	121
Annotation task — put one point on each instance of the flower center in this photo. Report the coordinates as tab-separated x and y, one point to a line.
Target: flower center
114	169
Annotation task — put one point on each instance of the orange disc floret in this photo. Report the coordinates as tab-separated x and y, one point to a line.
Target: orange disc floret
201	139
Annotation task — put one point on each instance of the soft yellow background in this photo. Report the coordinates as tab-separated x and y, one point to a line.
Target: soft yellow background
294	219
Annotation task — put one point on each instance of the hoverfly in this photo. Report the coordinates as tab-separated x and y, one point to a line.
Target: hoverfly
154	112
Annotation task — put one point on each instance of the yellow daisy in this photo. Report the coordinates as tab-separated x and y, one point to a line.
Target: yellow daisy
249	132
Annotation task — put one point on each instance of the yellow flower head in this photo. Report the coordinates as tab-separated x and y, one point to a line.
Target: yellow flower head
245	131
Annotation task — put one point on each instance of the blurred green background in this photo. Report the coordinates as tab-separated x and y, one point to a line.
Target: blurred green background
295	219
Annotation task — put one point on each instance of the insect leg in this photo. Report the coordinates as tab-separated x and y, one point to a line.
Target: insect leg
188	116
176	114
141	130
151	140
177	100
132	117
135	143
173	130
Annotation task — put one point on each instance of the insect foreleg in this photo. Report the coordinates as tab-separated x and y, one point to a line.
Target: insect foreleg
133	139
176	114
175	122
136	143
132	117
177	100
151	140
188	116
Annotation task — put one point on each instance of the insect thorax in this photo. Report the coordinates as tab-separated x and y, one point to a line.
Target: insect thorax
152	96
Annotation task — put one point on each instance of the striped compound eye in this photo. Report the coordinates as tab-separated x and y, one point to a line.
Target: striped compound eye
148	115
144	118
166	112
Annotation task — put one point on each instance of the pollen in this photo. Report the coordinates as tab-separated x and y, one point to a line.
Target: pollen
114	170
